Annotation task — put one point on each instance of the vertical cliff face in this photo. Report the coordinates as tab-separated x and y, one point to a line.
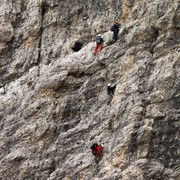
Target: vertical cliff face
54	102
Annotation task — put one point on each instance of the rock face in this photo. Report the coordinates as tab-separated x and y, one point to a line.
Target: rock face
54	102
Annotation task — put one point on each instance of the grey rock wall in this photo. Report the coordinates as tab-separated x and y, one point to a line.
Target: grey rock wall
54	102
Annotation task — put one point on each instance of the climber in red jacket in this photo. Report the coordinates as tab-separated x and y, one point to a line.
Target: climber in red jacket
97	151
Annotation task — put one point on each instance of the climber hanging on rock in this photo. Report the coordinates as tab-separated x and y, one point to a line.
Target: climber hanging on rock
99	44
110	91
115	28
97	151
77	45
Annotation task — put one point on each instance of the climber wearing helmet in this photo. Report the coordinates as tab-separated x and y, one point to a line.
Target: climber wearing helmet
97	151
115	28
110	91
99	42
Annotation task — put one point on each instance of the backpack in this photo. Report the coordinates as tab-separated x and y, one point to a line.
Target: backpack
98	40
112	28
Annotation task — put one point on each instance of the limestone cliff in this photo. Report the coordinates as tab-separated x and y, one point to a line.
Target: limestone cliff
54	101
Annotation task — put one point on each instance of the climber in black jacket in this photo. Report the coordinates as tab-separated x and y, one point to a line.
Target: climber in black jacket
110	91
115	29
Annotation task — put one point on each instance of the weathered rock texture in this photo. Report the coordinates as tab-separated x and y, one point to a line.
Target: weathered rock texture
54	103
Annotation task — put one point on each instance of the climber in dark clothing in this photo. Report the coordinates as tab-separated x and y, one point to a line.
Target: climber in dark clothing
111	89
76	46
97	151
115	29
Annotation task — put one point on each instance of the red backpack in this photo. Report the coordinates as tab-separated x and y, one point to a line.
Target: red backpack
112	28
